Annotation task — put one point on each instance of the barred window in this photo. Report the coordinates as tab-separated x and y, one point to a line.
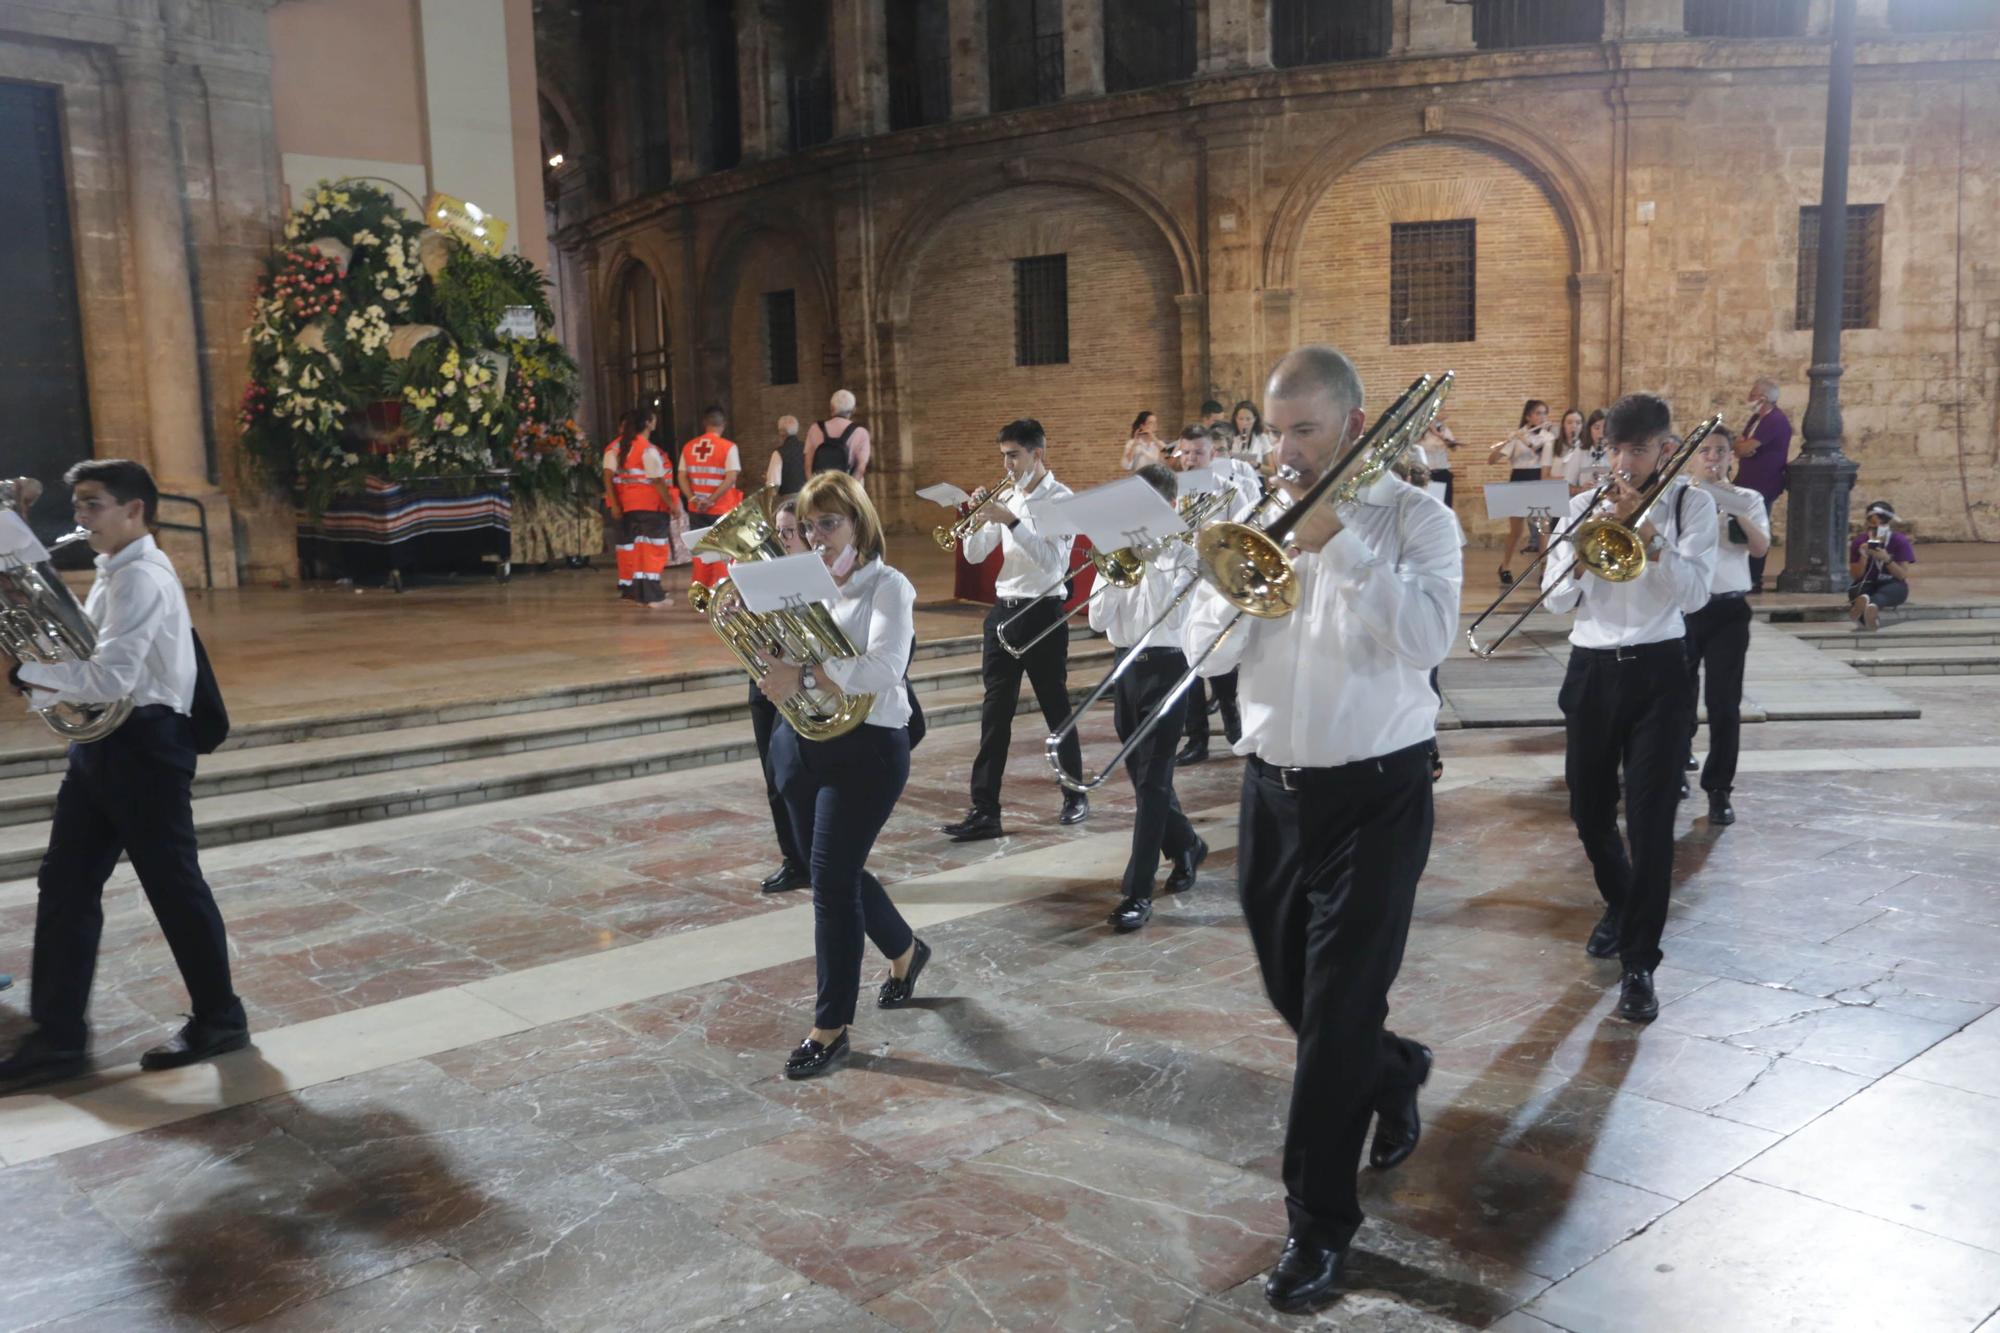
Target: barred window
1148	43
1431	281
1861	294
781	336
1499	25
1041	311
1319	32
1746	18
1024	52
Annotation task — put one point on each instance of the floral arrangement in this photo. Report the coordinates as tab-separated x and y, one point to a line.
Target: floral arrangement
375	352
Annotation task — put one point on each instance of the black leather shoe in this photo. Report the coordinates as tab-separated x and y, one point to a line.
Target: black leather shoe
1684	789
1720	811
1306	1278
1130	914
1182	877
1603	942
1076	807
1692	764
896	991
1232	723
38	1060
1397	1126
1637	1002
976	827
1194	752
785	878
812	1059
197	1040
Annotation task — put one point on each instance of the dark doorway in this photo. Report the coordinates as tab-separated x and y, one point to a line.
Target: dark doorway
42	392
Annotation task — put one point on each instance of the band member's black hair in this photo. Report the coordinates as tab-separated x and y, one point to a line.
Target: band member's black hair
124	480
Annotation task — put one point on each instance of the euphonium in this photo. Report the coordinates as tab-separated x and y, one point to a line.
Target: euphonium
805	637
948	537
41	622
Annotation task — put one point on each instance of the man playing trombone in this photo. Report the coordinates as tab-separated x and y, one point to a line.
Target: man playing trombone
1335	820
1625	698
1032	565
1142	619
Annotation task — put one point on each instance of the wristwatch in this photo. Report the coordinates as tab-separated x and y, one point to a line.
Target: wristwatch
807	679
1657	545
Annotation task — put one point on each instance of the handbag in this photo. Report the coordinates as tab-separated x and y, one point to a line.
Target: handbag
208	715
916	726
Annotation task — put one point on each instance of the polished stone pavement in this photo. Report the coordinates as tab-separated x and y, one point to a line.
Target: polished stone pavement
517	1069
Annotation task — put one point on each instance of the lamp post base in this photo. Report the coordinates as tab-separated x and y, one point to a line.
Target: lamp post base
1818	488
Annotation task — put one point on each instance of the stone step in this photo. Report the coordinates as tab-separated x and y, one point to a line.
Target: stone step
1969	660
248	816
50	758
329	758
1915	634
1835	610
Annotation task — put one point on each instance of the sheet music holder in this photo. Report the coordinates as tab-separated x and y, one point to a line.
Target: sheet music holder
789	583
1126	512
1526	499
944	493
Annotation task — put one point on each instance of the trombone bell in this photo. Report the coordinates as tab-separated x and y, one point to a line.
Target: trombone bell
1250	570
1610	550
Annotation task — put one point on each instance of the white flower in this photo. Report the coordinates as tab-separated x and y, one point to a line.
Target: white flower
321	215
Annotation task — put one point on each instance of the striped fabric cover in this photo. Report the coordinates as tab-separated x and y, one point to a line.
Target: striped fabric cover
389	512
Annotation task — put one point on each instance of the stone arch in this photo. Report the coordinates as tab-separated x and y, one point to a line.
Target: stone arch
899	259
1546	163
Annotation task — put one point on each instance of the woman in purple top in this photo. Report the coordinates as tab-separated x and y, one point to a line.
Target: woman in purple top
1878	560
1762	457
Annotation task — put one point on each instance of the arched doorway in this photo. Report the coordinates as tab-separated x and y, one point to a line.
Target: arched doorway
639	373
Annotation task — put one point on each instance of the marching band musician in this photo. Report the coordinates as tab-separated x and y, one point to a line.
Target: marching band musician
1197	451
1123	615
842	791
1336	815
1032	562
1626	698
1718	635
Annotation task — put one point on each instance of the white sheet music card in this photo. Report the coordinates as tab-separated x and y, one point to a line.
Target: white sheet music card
788	583
1199	481
944	493
1438	489
1117	514
17	539
1517	499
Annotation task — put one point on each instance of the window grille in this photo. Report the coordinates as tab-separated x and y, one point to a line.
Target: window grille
781	337
919	64
1148	43
1024	52
1861	293
1746	18
1431	281
1041	311
1501	24
1319	32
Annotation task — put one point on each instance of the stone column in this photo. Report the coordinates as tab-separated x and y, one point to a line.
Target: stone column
1596	380
1193	308
1233	231
760	81
165	289
1083	48
1653	18
971	80
860	68
1235	35
1421	28
1821	479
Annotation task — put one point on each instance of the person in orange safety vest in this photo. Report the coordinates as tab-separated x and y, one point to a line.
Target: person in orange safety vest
709	467
642	498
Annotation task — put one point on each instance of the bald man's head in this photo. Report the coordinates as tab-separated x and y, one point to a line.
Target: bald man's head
1313	402
1316	368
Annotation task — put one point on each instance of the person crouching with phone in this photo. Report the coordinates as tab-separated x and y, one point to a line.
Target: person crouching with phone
1878	560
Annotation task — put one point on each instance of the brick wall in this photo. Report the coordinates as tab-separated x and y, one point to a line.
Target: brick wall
1523	338
1124	337
755	404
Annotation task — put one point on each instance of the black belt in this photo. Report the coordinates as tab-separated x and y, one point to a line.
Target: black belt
155	710
1011	602
1633	652
1715	597
1294	778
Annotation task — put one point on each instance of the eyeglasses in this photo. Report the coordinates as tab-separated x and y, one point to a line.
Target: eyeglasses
827	524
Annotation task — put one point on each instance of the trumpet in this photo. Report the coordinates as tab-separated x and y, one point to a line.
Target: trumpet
1605	546
1122	568
948	536
1246	562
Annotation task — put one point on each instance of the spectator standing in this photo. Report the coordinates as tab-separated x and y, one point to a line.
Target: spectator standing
787	468
643	505
1143	446
837	444
1878	560
1763	453
1253	442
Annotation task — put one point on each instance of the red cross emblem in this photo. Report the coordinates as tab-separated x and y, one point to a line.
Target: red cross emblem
702	449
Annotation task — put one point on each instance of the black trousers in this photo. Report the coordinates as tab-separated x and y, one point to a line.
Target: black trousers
1443	474
763	720
126	793
1327	867
1046	666
1718	638
1631	711
840	793
1757	563
1197	713
1159	825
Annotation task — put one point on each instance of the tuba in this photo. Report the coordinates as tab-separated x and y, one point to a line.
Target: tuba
804	637
41	622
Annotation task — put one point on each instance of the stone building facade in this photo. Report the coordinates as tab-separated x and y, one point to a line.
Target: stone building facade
1633	185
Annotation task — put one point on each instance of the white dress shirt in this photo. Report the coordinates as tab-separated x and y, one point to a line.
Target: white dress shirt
1242	478
1032	562
145	640
877	611
1346	676
1586	467
1649	608
1122	614
1732	559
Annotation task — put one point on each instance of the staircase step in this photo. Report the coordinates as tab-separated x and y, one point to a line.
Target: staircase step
1916	634
1971	660
32	798
1834	610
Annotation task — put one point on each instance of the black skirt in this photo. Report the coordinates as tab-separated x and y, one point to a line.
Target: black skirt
1525	474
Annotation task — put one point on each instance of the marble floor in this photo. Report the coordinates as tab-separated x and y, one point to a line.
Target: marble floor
517	1068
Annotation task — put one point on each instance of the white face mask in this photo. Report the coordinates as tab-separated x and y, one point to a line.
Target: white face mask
843	563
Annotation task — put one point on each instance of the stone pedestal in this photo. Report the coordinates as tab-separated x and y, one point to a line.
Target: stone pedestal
1422	28
971	80
1083	48
1235	35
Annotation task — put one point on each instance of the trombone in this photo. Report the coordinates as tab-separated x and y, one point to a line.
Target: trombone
948	536
1122	568
1605	546
1246	561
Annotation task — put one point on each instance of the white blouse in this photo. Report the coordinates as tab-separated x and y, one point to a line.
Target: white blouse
877	611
